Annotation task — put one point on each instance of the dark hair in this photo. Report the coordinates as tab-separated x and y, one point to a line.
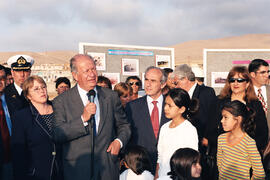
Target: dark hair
8	71
137	159
226	92
237	108
62	80
136	78
181	163
167	71
256	64
2	68
106	80
181	98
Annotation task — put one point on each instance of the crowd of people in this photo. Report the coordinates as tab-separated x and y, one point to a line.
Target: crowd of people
180	129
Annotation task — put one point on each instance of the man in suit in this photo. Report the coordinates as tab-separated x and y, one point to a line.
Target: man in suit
259	72
70	127
144	130
5	132
20	70
185	79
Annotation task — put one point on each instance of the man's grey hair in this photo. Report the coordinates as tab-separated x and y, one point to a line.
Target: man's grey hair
163	78
183	71
73	67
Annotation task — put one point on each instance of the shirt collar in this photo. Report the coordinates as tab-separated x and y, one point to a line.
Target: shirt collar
82	91
191	91
263	88
159	99
83	94
18	88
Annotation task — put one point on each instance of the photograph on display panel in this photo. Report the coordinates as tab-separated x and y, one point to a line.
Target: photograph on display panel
99	60
163	61
218	79
130	67
114	77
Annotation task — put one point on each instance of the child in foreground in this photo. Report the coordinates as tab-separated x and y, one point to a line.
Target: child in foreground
138	164
237	151
179	132
185	165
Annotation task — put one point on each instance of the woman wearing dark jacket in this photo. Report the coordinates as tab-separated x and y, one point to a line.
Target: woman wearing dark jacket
239	87
34	154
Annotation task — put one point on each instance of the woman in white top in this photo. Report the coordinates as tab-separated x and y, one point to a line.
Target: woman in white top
138	164
179	132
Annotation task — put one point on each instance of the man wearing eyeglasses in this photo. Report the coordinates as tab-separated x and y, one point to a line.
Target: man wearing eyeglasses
259	72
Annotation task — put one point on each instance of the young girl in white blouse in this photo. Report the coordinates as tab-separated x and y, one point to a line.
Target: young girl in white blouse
138	164
179	132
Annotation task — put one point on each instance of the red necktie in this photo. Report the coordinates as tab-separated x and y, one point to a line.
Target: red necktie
155	119
260	97
4	134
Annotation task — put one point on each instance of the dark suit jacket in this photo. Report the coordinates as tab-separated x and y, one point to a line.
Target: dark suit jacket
32	147
207	103
141	126
70	131
14	100
268	107
1	154
261	132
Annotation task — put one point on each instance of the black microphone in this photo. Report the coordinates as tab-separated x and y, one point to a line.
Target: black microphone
91	95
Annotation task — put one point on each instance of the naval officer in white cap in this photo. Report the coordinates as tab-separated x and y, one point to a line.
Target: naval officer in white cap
13	100
20	70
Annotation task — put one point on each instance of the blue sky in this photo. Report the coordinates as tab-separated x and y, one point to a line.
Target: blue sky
50	25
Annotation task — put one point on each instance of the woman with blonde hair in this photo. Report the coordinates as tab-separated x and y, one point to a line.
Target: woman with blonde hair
34	154
124	92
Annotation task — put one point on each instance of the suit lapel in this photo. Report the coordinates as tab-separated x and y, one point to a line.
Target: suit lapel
163	119
76	100
196	92
103	108
146	117
268	100
268	106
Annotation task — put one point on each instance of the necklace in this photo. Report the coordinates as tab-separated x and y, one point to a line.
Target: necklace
46	110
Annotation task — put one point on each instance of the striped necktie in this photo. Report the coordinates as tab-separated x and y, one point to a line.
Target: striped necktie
260	97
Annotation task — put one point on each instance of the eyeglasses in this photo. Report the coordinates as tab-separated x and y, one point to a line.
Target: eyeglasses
136	83
264	72
37	89
239	80
63	87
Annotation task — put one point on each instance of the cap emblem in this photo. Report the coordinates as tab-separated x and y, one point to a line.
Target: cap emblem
21	60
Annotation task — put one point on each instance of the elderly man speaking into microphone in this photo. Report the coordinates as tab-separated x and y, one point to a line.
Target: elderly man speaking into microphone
71	127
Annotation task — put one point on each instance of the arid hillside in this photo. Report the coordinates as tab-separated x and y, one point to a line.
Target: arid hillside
190	52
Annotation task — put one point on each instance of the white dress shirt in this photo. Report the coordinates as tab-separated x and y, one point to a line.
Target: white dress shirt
84	97
18	88
191	91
